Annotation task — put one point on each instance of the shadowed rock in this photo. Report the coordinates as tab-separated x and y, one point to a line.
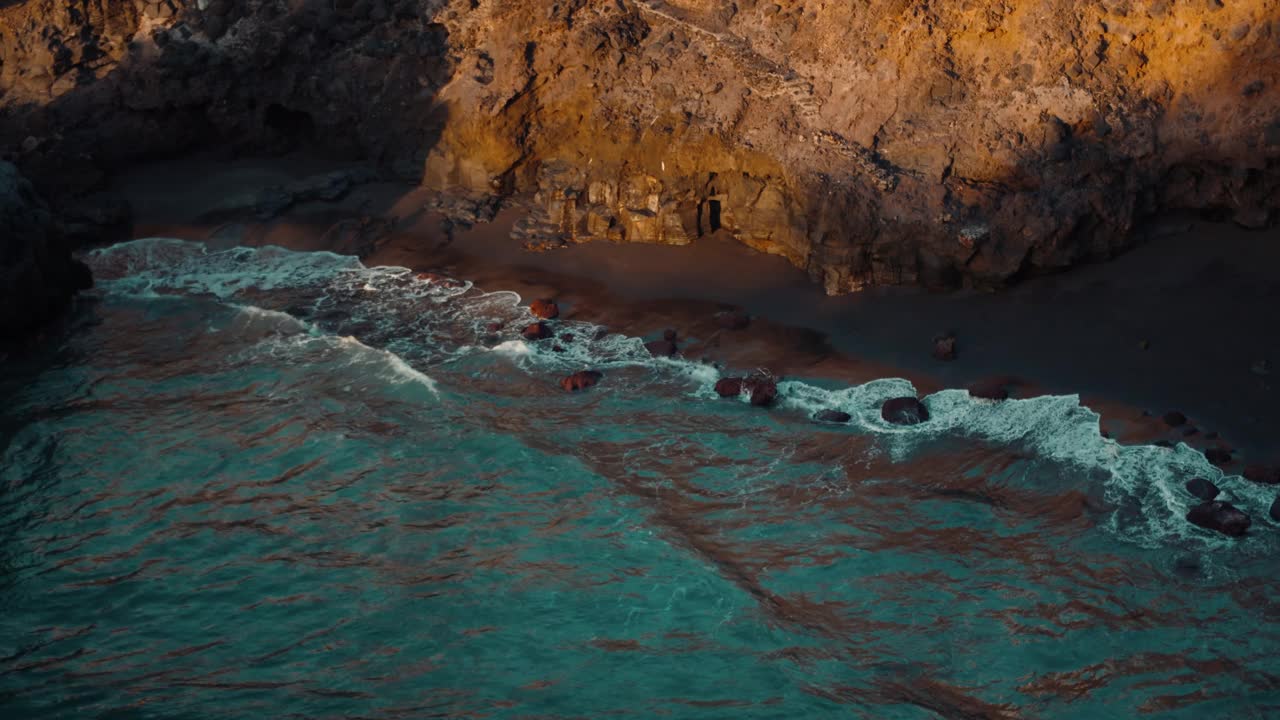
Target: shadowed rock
1173	418
1221	517
581	380
1275	510
1202	489
904	411
832	416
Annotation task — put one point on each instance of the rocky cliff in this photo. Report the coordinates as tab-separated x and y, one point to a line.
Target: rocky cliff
37	275
881	142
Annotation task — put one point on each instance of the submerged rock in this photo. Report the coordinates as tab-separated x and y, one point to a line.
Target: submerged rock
904	411
1220	516
1202	488
545	309
832	416
536	331
581	380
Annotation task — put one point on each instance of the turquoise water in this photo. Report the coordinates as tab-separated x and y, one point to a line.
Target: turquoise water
258	483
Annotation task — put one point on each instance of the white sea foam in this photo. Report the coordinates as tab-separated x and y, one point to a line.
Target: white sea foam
406	322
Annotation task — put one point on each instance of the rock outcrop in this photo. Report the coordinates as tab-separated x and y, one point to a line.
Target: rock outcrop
38	276
889	142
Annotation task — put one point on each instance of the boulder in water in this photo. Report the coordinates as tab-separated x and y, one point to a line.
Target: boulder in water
1202	488
661	348
1220	516
762	389
729	387
581	380
536	331
1262	474
1275	510
832	416
904	411
545	309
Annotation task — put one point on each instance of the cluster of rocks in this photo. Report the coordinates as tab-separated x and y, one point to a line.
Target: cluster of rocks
1223	517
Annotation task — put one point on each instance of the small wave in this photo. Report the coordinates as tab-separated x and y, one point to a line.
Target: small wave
1145	482
391	321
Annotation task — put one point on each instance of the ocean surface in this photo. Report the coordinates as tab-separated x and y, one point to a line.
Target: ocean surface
258	483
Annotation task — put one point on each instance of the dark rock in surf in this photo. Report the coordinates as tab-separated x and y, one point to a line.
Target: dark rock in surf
536	331
661	348
733	320
762	389
904	411
1173	418
581	380
545	309
729	387
944	347
1262	474
832	416
567	337
1163	444
1275	510
1221	517
1202	488
989	390
1218	456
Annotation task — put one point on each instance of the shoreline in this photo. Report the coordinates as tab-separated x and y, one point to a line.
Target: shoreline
1175	324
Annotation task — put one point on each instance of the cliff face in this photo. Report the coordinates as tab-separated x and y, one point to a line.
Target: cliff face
870	143
37	275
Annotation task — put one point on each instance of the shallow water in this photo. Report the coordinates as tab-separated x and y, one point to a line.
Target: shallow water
258	483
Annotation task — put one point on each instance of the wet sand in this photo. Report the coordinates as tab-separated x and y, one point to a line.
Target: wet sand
1175	324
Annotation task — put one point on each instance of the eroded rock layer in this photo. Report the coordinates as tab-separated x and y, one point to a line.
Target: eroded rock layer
882	142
